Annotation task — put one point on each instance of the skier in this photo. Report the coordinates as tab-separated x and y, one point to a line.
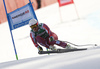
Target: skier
41	33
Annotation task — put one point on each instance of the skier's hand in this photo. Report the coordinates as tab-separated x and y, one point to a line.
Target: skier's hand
51	38
40	48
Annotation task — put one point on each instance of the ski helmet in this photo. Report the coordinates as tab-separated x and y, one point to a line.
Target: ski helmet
32	22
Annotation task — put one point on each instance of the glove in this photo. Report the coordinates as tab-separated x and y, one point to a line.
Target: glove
40	48
51	38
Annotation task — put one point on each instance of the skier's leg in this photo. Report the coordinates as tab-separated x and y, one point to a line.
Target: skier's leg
54	40
54	36
42	41
60	43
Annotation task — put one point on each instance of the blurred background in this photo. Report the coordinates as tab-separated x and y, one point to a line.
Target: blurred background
14	4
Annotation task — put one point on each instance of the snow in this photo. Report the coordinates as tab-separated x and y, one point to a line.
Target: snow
73	60
78	30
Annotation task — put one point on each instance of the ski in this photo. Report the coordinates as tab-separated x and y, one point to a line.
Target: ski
47	52
61	51
70	50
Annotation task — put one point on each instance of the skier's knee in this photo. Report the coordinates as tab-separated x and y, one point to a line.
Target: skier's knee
39	39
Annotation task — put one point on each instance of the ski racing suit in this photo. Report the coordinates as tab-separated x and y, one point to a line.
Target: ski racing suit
43	35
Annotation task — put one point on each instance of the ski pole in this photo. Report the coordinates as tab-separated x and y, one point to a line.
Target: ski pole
80	45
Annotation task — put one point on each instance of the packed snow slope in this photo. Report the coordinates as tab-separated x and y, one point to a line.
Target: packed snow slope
84	29
89	59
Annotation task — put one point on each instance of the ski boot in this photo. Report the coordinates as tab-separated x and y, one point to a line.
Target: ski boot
70	47
53	48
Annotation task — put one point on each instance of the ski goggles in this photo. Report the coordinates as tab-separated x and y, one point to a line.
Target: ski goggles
34	26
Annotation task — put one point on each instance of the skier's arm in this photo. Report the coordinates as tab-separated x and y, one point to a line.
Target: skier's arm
34	40
47	29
